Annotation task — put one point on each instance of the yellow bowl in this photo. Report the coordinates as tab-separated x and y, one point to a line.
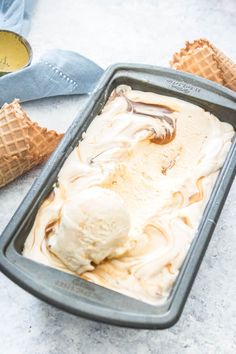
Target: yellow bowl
15	52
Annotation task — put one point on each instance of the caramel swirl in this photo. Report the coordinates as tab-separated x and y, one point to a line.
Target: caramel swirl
156	111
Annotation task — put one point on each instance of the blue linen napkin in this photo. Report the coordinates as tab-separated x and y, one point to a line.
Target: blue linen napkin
58	72
15	15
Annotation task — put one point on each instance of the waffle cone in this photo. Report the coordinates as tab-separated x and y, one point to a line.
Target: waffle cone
23	143
204	59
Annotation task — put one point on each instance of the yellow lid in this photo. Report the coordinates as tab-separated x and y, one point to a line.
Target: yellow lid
15	52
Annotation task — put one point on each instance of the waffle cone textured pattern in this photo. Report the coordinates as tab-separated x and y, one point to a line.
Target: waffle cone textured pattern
23	143
204	59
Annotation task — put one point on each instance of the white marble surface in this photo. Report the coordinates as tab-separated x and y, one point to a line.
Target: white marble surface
144	31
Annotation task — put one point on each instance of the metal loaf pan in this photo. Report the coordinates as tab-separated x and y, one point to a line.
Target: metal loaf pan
86	299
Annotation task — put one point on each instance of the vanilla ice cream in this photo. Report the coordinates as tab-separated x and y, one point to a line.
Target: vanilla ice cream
93	225
130	197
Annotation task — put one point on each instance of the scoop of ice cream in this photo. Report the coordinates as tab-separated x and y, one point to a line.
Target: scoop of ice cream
93	225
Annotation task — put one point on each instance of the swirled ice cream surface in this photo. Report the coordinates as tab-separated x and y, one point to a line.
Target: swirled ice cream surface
130	196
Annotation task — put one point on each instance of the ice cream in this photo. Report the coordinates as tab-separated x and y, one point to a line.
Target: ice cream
130	197
93	225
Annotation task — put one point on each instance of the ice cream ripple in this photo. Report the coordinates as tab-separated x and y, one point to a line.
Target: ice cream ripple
130	197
